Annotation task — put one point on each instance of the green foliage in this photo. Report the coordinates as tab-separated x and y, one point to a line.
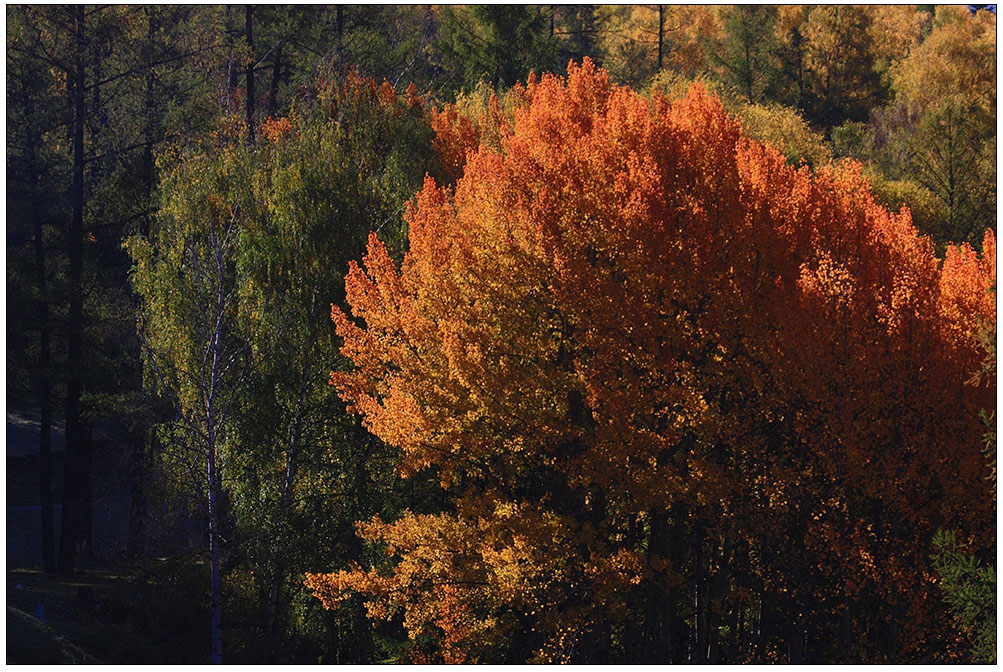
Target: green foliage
290	211
940	161
293	42
300	469
747	57
849	139
499	43
36	194
577	29
954	157
970	590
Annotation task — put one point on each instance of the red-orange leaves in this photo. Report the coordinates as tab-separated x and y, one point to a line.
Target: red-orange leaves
461	130
642	351
965	281
274	130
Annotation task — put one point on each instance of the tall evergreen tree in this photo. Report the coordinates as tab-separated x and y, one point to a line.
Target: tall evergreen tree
747	55
498	43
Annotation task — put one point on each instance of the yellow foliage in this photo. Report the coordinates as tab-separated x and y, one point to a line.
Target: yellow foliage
957	60
894	30
785	129
629	40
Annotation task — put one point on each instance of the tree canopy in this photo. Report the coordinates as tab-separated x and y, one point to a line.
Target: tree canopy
555	333
639	351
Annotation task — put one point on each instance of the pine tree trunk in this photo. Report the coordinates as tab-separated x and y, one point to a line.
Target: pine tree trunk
661	31
86	533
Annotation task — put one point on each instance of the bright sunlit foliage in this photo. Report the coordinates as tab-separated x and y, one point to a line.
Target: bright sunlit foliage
644	356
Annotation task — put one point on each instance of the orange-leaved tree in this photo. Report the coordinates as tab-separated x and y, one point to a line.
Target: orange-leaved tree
686	403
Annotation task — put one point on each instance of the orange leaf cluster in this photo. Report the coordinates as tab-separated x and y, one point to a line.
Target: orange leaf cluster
640	350
357	90
274	130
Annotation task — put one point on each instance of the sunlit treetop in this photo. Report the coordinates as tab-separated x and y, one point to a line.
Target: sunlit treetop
625	305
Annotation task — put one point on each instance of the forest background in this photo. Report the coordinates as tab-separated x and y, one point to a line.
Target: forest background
186	189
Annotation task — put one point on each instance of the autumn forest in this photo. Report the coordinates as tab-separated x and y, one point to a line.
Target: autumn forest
501	334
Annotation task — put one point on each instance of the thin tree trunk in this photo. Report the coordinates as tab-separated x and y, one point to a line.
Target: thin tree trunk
799	642
72	487
893	602
99	120
765	616
144	443
673	629
86	490
215	580
44	380
717	586
212	470
292	460
149	129
273	91
45	424
292	463
249	31
736	627
661	31
340	28
696	640
845	633
137	496
652	647
212	435
231	72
